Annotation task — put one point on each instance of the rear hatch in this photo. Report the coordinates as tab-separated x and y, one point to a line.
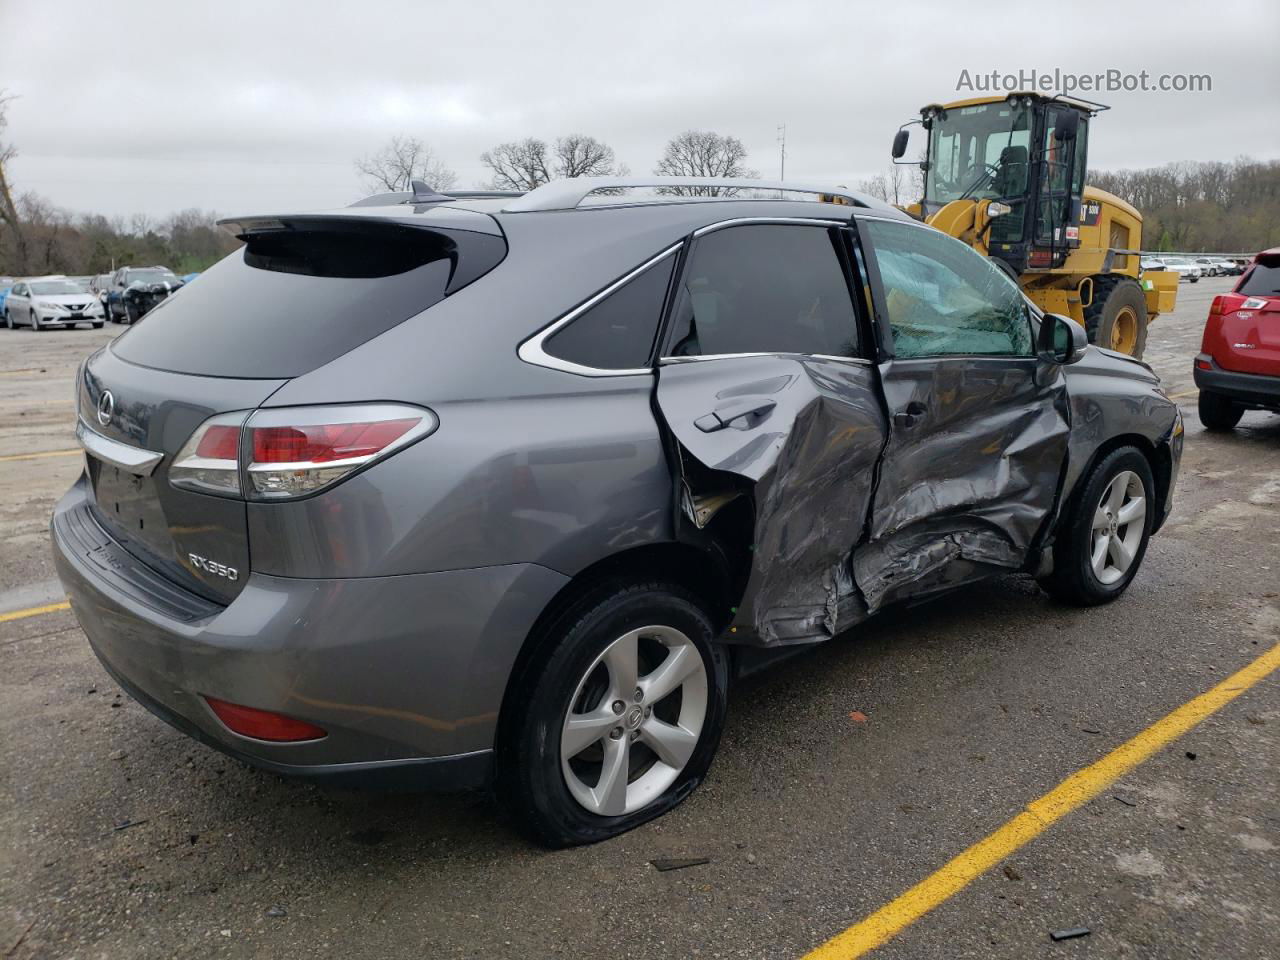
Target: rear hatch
300	293
1250	324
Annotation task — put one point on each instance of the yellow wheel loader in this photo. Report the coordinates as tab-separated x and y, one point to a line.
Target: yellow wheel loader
1006	176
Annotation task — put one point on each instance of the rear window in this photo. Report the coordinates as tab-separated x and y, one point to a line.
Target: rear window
292	300
1263	280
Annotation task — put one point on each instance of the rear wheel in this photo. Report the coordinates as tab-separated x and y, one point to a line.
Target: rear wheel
1117	316
1103	538
620	717
1218	412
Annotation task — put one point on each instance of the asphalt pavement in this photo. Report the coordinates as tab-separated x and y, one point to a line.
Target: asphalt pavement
845	776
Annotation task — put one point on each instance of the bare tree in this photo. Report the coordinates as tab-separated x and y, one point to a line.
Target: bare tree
402	160
10	219
704	153
519	164
578	155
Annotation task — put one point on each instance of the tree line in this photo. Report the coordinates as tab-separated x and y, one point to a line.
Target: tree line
1198	206
521	165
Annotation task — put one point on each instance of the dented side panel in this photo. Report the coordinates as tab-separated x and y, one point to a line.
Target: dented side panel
970	475
807	448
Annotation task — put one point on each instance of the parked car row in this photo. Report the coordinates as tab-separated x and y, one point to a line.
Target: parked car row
59	301
1189	268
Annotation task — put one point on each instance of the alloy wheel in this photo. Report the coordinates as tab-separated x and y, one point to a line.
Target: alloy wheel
634	720
1119	524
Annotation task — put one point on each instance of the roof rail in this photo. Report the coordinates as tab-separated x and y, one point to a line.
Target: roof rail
567	194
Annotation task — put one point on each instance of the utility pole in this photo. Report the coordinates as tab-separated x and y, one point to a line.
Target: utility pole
782	151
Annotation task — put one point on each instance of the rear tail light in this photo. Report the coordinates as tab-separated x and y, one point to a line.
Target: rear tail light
263	724
294	451
1215	308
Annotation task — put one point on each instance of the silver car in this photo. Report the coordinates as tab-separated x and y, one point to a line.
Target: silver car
452	491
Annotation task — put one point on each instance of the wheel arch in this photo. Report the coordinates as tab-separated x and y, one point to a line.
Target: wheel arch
714	570
1158	457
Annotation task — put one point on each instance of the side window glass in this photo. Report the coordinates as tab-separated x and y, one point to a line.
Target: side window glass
765	288
944	299
618	332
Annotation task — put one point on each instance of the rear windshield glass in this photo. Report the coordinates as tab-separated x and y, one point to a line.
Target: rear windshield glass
1263	281
293	300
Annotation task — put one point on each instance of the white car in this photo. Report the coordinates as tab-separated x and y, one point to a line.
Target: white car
1208	266
46	302
1184	268
1152	264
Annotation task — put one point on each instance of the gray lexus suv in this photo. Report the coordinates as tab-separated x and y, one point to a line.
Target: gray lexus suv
450	491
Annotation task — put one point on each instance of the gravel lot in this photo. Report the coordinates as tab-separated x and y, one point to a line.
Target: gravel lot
121	838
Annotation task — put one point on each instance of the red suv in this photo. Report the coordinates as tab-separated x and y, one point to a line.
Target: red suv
1238	367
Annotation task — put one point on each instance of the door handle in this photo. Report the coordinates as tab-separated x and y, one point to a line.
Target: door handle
726	413
908	416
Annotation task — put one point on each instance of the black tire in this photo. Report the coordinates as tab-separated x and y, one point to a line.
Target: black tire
97	326
1217	412
529	776
1111	297
1073	579
1195	279
128	315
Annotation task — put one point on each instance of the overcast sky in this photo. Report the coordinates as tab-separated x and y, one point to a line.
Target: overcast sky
132	106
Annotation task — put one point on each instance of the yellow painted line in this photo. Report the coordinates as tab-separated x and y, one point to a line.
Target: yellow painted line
1180	396
1071	793
37	456
34	611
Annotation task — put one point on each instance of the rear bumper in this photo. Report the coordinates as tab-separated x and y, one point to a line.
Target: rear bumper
406	674
1253	389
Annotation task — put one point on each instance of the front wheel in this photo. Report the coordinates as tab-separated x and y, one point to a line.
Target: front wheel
1217	412
1103	537
618	719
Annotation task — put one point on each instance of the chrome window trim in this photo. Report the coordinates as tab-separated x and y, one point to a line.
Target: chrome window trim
533	351
796	221
669	361
131	459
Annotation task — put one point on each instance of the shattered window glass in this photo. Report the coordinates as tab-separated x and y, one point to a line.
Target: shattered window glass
943	298
765	288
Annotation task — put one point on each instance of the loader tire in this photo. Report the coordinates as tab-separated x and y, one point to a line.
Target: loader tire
1117	317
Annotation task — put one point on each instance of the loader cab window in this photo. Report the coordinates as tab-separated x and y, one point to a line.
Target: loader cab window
978	151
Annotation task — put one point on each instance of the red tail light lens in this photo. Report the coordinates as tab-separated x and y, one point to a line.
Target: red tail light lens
220	442
1215	308
295	451
263	724
324	443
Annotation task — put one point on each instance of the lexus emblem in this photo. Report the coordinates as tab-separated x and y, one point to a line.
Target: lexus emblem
106	407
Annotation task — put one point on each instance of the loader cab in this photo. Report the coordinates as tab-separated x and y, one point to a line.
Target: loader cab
1027	151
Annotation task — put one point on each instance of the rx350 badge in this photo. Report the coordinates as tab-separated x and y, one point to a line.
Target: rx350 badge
211	566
